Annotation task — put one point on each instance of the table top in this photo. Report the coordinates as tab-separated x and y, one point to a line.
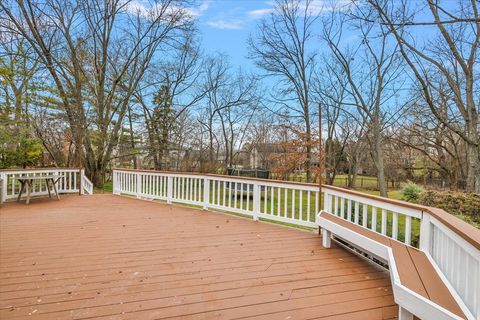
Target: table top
53	176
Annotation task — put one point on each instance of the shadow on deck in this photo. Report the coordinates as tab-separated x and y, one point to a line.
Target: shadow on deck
112	257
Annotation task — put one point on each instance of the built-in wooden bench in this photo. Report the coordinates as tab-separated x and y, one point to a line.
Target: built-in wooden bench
420	288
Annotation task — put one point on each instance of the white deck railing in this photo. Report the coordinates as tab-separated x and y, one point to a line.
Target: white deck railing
285	202
452	245
86	186
71	181
399	221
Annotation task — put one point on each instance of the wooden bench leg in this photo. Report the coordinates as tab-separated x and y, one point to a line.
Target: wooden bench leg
326	238
404	314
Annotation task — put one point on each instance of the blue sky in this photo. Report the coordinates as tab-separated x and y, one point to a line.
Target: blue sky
226	24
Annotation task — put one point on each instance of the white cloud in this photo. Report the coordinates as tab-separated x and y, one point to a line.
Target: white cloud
136	7
146	8
239	19
318	7
227	24
315	8
199	10
259	13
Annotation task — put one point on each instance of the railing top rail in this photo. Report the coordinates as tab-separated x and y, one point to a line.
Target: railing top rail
468	232
226	177
460	227
38	169
463	229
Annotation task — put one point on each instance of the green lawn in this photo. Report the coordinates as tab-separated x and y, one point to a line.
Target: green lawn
361	183
106	188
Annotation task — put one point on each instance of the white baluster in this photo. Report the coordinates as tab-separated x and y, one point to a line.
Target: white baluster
374	219
384	222
365	216
408	230
357	212
170	186
206	193
256	200
395	225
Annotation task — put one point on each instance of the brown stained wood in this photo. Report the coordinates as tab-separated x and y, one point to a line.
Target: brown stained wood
111	257
310	308
415	270
385	313
407	271
433	284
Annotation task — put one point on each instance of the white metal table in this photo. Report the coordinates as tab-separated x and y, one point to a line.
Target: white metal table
26	184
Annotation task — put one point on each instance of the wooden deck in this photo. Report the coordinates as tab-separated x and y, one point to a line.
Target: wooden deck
112	257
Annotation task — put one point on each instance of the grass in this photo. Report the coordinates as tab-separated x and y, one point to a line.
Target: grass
361	183
392	194
106	188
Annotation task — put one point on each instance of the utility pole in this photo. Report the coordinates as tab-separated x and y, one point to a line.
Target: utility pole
320	161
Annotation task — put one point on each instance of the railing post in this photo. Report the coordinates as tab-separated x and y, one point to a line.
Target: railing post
206	193
139	184
425	233
82	174
115	182
327	205
3	196
256	201
169	189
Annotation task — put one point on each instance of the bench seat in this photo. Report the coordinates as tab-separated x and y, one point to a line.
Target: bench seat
412	268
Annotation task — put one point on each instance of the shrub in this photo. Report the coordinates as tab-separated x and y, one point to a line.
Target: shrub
464	205
411	192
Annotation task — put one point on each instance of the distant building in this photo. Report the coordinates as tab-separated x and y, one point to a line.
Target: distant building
261	155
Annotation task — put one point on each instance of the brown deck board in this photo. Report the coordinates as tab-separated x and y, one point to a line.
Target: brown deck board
433	284
111	257
407	271
414	269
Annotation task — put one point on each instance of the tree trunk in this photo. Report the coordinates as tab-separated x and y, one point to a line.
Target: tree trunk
473	153
473	174
309	150
353	179
378	160
211	156
132	138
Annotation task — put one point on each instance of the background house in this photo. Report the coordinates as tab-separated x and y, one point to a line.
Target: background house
262	155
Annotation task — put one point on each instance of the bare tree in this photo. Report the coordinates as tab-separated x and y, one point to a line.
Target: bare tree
443	150
445	64
225	93
372	70
179	91
280	48
330	87
96	53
